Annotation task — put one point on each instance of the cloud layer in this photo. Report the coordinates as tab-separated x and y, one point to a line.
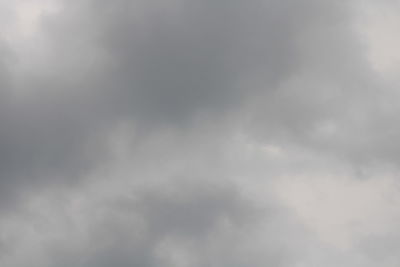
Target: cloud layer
198	133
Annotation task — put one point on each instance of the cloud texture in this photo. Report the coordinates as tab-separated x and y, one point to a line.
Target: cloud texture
193	133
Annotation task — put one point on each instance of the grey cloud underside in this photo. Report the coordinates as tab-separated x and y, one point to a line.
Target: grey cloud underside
192	219
291	73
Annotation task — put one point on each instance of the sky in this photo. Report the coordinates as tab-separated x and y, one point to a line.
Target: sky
188	133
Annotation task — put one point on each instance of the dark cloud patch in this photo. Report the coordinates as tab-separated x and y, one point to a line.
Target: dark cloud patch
167	65
188	76
46	139
156	67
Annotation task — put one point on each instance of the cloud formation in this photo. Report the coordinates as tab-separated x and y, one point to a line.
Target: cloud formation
198	133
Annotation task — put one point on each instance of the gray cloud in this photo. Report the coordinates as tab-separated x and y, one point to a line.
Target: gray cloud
135	229
137	133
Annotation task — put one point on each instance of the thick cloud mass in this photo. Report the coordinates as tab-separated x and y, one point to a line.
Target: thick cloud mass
193	133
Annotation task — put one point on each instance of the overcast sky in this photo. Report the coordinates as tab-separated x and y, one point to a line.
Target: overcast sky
193	133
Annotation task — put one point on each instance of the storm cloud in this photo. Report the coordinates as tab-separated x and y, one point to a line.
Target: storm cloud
199	133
